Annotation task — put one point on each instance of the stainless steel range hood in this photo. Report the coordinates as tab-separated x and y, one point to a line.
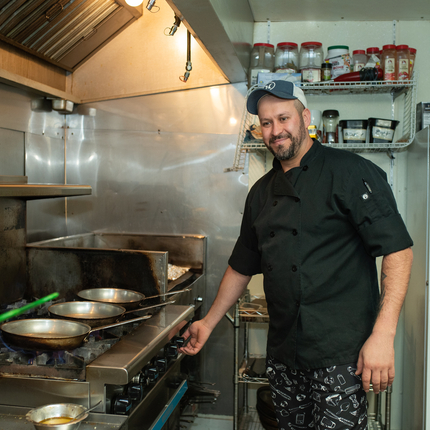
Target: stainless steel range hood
64	32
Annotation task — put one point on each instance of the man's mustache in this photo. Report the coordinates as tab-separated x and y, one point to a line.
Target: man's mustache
280	136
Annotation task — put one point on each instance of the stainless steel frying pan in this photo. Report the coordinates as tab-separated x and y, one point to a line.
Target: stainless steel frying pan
95	313
129	299
49	334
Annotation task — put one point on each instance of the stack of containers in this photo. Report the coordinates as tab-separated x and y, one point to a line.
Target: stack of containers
311	58
262	60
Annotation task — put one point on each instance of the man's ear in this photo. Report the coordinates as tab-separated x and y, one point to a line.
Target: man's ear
306	117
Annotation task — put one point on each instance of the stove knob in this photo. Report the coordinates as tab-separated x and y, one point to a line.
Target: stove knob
171	351
122	405
135	392
151	373
161	364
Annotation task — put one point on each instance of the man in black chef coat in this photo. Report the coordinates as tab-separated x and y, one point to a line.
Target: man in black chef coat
314	226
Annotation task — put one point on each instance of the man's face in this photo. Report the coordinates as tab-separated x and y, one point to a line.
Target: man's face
283	128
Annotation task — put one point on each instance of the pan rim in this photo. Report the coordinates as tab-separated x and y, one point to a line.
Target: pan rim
139	296
121	310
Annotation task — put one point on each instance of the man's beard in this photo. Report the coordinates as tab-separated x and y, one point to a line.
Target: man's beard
286	153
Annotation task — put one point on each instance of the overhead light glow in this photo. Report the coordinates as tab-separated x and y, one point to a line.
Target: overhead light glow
134	3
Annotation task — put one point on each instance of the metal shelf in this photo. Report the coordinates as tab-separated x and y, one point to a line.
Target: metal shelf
247	143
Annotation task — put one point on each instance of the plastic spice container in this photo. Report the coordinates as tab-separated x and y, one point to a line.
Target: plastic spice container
374	56
311	55
359	60
388	61
412	55
330	122
325	71
402	63
338	56
353	130
262	60
286	57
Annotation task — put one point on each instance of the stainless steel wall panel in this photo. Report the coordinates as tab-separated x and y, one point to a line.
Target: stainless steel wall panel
12	150
45	165
214	110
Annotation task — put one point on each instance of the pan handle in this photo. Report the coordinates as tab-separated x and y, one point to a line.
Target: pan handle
117	324
168	294
149	307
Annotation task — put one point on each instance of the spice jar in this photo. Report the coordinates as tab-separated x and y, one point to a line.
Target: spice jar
286	57
412	55
338	56
359	60
374	56
326	71
311	57
330	122
262	60
388	61
402	63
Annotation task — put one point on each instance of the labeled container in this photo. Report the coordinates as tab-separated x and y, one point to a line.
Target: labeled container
311	74
353	130
402	63
316	121
326	71
373	57
388	61
338	56
330	122
412	56
262	59
286	58
382	130
359	60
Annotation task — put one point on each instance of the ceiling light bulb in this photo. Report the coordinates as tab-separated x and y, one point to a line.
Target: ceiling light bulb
134	3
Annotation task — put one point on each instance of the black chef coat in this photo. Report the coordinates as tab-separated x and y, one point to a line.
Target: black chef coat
314	232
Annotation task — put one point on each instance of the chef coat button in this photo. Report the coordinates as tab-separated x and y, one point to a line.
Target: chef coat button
295	232
275	203
269	268
297	303
272	234
294	268
305	168
297	199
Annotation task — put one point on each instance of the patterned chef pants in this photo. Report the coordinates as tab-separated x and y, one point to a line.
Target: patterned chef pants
320	399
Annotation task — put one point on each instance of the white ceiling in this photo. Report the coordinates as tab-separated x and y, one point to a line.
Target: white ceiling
336	10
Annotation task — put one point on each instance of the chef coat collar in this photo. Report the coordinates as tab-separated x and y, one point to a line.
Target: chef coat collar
283	183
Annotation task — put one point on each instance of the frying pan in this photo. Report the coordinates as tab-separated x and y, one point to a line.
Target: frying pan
94	313
129	299
50	334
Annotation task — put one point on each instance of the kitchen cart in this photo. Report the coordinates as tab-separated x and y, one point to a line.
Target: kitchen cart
387	91
251	309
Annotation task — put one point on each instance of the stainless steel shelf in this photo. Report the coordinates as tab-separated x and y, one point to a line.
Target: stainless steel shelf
42	191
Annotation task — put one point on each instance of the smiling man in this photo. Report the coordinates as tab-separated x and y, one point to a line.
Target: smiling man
314	225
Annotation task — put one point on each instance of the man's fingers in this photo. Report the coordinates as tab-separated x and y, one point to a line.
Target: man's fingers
365	378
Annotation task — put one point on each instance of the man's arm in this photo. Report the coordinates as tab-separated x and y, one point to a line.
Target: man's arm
231	288
376	358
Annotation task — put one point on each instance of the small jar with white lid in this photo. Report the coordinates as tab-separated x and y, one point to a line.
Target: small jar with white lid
286	58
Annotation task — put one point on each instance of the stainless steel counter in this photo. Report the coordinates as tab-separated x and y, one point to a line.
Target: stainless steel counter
13	418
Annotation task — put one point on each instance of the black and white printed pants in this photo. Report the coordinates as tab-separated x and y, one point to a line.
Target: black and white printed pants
320	399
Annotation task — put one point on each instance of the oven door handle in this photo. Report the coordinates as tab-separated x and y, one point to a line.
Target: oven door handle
169	407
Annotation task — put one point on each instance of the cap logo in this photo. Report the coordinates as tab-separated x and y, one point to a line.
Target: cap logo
270	86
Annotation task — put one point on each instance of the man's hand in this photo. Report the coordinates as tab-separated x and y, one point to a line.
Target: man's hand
376	363
199	334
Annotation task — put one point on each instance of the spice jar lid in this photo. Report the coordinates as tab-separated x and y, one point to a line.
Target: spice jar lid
281	44
412	50
358	51
372	50
402	47
389	47
326	65
330	113
264	44
311	44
